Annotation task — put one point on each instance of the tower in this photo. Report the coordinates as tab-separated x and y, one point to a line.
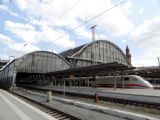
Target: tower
128	55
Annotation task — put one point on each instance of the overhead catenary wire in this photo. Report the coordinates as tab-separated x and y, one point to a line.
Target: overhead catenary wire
68	10
92	19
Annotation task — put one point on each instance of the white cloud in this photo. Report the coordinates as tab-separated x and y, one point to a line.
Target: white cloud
52	16
12	13
147	36
123	41
29	34
126	7
141	10
145	60
24	31
72	14
6	39
22	4
24	49
83	32
101	37
14	48
114	21
117	23
5	8
57	37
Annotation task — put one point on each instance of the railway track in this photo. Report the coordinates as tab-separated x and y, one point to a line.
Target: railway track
123	101
47	109
132	103
149	104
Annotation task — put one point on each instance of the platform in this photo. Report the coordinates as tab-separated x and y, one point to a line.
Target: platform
142	95
13	108
156	86
83	110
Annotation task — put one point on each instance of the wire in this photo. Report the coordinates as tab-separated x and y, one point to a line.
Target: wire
92	18
68	10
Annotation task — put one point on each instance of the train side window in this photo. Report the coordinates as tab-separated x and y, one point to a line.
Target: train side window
135	79
126	79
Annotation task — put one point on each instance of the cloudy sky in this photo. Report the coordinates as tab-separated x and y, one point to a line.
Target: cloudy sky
58	25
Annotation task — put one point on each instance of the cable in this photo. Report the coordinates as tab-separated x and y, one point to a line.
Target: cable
68	10
92	19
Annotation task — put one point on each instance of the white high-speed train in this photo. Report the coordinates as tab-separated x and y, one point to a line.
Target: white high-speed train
130	81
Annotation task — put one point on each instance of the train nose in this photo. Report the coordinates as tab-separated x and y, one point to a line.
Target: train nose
149	85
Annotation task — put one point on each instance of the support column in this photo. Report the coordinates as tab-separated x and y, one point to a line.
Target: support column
96	93
115	81
88	82
71	76
95	80
49	96
123	84
55	82
64	87
14	87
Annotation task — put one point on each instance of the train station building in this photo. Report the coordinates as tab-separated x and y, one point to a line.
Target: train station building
33	68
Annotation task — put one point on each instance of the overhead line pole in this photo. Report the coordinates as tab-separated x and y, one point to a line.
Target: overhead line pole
93	39
158	61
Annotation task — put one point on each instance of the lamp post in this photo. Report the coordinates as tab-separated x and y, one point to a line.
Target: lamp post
64	88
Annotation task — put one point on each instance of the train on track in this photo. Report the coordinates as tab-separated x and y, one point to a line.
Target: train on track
128	81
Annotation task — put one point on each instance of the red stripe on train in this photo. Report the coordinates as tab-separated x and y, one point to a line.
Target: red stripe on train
120	85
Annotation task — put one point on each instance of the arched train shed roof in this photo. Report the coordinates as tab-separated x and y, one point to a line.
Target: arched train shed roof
105	51
41	62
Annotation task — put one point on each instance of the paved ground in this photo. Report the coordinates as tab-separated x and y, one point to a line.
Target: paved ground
12	108
84	114
79	111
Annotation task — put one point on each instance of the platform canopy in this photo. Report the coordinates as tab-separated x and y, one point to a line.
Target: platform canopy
100	69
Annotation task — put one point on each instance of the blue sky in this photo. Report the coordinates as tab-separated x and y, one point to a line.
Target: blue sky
48	25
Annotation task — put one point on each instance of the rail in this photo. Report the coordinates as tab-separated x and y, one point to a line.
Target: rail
46	108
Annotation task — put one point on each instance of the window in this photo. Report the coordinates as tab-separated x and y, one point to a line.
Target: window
126	79
135	79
